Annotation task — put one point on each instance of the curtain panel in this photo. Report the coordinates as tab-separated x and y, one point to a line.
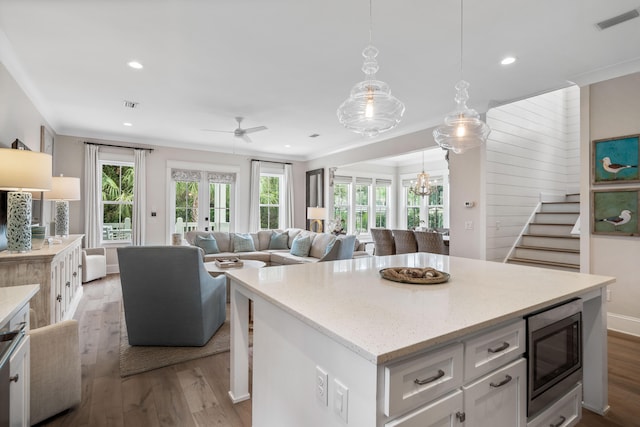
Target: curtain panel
138	224
92	196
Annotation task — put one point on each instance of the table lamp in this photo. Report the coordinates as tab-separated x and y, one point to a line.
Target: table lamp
22	171
316	215
63	190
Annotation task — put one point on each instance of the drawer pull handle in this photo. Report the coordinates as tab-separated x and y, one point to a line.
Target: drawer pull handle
562	420
501	383
439	375
14	378
503	347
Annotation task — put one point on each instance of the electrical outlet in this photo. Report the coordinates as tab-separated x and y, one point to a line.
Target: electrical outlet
341	400
322	384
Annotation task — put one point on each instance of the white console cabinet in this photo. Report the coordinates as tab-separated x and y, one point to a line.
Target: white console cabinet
57	269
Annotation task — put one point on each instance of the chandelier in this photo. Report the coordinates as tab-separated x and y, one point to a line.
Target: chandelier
462	128
370	108
421	186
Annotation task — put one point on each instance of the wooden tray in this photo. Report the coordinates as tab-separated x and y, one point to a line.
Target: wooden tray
414	275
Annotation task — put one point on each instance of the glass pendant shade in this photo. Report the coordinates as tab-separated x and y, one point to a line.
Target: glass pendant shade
370	108
421	187
462	129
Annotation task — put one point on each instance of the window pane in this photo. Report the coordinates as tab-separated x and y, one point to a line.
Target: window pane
413	217
341	204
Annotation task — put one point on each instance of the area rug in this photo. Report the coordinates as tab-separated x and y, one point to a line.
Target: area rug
137	359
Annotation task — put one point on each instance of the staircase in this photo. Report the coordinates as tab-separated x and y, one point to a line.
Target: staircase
547	240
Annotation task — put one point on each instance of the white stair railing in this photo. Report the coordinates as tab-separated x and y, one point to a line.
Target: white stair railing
524	230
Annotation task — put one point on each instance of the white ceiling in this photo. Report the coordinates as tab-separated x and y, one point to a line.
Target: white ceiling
288	64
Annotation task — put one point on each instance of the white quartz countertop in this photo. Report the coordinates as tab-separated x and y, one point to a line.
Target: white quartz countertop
382	320
12	298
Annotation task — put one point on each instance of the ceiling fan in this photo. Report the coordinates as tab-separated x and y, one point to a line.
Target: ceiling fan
240	132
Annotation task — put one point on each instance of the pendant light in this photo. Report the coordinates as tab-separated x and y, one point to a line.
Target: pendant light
370	108
421	186
462	127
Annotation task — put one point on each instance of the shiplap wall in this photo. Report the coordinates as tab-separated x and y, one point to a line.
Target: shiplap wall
533	148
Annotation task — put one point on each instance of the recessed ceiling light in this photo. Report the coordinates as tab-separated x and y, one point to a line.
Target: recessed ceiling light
287	146
508	60
135	64
127	124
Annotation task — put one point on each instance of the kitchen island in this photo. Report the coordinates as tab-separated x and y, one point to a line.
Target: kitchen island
330	337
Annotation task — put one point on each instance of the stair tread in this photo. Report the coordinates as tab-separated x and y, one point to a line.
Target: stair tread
558	212
547	249
550	223
552	263
560	236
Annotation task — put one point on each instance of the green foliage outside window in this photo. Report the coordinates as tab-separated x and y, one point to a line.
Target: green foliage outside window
187	201
341	204
362	208
117	197
381	206
269	202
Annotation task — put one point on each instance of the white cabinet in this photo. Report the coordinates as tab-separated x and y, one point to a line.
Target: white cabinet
566	412
444	412
19	397
481	381
498	399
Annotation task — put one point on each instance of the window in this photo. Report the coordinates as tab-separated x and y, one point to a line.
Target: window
382	202
362	207
117	201
341	192
436	204
412	208
361	203
429	211
270	201
201	200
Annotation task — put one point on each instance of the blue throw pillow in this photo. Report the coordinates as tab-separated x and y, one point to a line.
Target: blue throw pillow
243	243
208	244
301	246
279	241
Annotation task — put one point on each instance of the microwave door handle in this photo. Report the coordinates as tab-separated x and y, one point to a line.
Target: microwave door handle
559	423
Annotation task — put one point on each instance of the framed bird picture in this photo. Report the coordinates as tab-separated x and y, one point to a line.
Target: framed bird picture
615	212
615	160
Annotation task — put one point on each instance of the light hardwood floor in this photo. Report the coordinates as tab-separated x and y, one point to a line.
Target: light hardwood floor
195	393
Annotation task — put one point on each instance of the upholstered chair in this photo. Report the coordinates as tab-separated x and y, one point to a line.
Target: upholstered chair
94	264
55	377
169	297
383	240
405	241
430	241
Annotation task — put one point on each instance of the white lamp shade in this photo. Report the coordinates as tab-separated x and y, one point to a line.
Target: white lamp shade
317	213
64	188
25	170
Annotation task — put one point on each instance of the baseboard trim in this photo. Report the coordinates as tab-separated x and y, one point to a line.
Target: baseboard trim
113	269
623	324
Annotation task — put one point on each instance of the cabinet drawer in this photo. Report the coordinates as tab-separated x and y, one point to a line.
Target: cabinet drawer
440	413
21	317
422	378
566	412
490	350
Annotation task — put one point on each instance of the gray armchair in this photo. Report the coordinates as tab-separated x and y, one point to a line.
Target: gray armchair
169	297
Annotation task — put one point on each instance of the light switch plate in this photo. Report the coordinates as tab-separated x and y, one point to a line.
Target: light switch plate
341	400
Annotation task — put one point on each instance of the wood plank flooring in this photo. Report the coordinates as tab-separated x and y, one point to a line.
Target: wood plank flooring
194	393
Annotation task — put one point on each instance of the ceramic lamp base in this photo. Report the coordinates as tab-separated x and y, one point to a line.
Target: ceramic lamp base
19	221
62	217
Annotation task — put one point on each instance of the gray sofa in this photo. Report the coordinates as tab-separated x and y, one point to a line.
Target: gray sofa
343	247
169	297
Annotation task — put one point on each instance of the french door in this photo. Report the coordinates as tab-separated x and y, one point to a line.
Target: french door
201	205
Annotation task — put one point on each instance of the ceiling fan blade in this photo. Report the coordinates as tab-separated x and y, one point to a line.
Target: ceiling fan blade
255	129
215	130
246	138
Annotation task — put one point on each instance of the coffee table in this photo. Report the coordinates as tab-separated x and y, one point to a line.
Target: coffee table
215	271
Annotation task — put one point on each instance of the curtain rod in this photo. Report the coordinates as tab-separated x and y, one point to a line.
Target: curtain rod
271	161
118	146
